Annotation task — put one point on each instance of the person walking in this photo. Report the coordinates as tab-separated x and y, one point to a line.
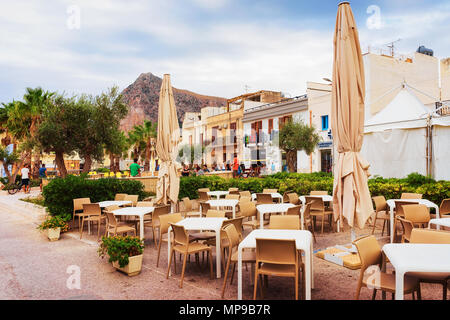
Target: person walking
135	168
235	167
25	178
42	174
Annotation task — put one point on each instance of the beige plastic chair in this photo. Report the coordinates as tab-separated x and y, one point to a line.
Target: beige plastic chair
78	209
154	222
233	191
400	213
294	198
307	220
231	240
203	190
381	212
246	194
270	191
248	210
418	214
203	196
205	207
232	196
215	214
183	246
187	210
264	198
144	204
114	227
288	222
285	195
318	193
92	213
133	198
435	237
276	258
407	226
120	196
206	235
407	195
318	210
444	208
245	199
164	223
371	255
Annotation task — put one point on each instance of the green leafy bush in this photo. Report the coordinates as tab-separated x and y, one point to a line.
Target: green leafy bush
54	222
59	193
120	248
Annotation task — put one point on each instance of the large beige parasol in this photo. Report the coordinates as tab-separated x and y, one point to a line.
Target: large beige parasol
167	140
351	196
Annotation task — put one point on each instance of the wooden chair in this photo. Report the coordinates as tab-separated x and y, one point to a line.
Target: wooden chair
276	258
318	210
187	209
431	236
164	223
182	245
270	191
381	213
78	209
120	196
418	214
114	227
406	195
264	198
154	221
371	255
231	240
287	222
92	213
318	193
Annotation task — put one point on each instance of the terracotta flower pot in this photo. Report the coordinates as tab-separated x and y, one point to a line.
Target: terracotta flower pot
133	267
53	233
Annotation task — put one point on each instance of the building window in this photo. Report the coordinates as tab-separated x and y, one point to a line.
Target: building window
190	140
233	137
283	120
270	126
324	123
201	139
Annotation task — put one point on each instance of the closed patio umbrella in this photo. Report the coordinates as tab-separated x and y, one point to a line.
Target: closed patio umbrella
351	196
168	184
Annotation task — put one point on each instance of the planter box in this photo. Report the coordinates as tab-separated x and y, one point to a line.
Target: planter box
133	267
53	234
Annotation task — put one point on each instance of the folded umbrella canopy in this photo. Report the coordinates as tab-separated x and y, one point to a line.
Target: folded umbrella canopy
167	140
351	196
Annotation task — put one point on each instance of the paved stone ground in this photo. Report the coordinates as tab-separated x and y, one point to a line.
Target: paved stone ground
34	268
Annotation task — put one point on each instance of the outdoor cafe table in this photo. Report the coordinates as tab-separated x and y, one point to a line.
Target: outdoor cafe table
303	241
217	194
408	257
391	204
275	195
224	203
272	208
135	211
104	204
443	222
205	224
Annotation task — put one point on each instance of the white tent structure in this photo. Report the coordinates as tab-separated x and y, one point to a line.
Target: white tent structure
407	137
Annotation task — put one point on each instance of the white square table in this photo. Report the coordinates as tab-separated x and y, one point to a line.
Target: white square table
442	222
205	224
104	204
275	195
415	257
224	203
272	208
135	211
217	194
391	204
303	241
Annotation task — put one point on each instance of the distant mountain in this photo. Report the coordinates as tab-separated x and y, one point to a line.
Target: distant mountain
143	95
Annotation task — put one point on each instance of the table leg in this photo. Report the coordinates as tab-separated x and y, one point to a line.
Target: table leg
312	264
391	217
168	247
399	277
234	211
261	220
218	259
239	273
141	227
308	269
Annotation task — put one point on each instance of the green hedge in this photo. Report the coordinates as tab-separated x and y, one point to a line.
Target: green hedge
304	183
59	193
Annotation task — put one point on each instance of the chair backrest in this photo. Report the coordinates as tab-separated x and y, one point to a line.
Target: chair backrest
444	208
407	226
203	196
285	195
112	208
264	198
237	222
232	235
112	221
369	251
133	198
78	203
166	219
307	211
316	203
187	203
293	198
416	213
245	199
232	196
233	190
399	206
245	194
294	211
120	196
407	195
215	214
164	209
284	222
247	209
203	190
270	191
180	236
380	203
144	204
205	207
429	236
92	209
276	251
318	193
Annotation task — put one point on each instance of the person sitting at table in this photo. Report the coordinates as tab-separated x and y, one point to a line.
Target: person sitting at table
185	172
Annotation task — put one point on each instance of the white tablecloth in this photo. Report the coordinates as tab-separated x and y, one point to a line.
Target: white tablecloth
135	211
205	224
391	204
408	257
272	208
224	203
303	241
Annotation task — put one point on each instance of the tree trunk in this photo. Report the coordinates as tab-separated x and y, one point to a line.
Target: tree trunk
87	164
111	162
59	159
36	165
17	166
147	158
116	164
291	158
6	169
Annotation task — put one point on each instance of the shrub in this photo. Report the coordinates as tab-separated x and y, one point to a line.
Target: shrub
120	248
54	222
59	193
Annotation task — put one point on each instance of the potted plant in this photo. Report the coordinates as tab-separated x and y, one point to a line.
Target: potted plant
125	253
54	226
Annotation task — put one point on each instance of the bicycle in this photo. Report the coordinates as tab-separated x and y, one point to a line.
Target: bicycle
13	188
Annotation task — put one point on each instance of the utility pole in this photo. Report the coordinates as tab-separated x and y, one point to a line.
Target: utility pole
391	46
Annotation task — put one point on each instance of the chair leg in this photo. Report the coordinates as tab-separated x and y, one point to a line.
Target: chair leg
170	262
211	264
375	223
374	295
444	290
159	251
323	220
232	273
81	228
183	269
226	275
255	285
296	285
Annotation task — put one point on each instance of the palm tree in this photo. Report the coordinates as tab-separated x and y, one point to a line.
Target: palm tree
142	139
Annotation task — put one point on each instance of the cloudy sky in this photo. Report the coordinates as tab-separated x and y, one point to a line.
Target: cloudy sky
212	47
